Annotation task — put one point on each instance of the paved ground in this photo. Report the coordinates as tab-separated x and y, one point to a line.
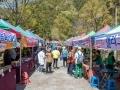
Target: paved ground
59	80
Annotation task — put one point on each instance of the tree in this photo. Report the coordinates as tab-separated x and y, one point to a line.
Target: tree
60	19
13	10
94	14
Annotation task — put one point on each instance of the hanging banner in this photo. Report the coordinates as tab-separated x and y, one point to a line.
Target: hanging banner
31	42
6	36
111	41
4	46
86	42
100	42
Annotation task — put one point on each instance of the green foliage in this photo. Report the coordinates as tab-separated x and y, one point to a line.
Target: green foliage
95	14
61	19
79	4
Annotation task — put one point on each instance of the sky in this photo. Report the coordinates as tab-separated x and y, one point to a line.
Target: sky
2	4
11	2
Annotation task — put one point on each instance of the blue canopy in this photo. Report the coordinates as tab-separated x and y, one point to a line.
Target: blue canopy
110	40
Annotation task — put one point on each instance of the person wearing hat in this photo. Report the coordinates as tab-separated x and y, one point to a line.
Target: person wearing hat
49	60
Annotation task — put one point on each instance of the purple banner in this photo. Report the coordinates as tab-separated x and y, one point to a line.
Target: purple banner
108	42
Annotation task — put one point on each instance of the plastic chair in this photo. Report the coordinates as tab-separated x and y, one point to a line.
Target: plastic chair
94	81
111	85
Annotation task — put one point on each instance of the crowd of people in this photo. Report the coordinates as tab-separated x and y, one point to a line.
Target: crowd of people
73	59
48	59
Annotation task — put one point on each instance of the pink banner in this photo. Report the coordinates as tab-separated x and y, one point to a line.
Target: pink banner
6	36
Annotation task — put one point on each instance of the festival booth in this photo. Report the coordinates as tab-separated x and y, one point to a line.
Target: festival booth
109	41
93	40
28	41
25	64
85	42
8	40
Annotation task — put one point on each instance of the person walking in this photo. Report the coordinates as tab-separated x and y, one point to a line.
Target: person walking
64	55
56	55
78	61
49	60
71	62
41	60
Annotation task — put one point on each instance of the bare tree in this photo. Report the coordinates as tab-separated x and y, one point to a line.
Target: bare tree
12	9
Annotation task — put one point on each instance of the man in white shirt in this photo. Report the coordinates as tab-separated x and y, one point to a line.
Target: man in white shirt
41	60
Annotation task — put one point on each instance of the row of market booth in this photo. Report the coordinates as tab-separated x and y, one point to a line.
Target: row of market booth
12	37
106	39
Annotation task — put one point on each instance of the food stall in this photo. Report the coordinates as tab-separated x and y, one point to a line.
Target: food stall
25	41
7	41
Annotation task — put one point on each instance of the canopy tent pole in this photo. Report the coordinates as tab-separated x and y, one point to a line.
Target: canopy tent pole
20	60
90	53
32	52
116	12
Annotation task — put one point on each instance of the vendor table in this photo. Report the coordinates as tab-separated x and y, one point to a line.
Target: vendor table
8	81
26	66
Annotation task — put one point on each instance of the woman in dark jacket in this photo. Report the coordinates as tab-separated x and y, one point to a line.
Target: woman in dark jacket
7	58
110	60
98	59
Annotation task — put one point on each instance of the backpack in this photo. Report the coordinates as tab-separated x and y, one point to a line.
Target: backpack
80	58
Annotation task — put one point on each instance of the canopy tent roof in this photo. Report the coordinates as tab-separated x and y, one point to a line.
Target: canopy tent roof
7	26
32	34
18	35
6	36
85	41
41	40
114	30
89	34
110	40
20	30
104	30
86	36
